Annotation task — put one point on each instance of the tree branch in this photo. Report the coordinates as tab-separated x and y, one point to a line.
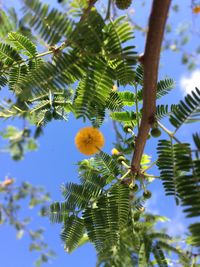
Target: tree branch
150	61
91	3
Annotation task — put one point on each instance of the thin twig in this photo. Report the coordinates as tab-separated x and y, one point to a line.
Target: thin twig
91	3
137	109
168	132
150	61
108	10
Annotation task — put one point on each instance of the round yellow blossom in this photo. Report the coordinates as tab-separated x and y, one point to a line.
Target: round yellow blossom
89	140
196	9
114	151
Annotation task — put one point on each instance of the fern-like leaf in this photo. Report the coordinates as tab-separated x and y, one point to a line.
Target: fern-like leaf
124	116
164	87
142	261
104	222
8	54
167	167
188	186
76	196
16	75
22	43
196	138
159	256
51	25
119	32
3	81
109	168
54	77
94	90
164	110
72	232
88	34
194	239
58	212
188	110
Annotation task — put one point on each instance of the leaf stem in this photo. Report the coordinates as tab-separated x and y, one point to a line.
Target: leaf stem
127	173
171	135
149	167
136	106
125	165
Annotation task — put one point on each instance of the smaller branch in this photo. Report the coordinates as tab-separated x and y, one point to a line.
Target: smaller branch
171	135
91	3
127	173
151	176
108	10
149	167
125	165
137	110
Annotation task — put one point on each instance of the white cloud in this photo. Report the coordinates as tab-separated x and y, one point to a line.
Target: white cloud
189	82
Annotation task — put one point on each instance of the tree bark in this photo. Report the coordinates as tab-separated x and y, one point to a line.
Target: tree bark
150	61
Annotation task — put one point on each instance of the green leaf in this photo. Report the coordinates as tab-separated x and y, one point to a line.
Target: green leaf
143	261
127	98
159	256
52	25
23	44
72	232
108	166
194	239
121	58
107	218
124	116
94	91
188	111
164	87
9	54
165	111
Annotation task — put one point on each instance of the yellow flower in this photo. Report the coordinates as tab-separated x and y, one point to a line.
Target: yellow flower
114	151
196	9
89	140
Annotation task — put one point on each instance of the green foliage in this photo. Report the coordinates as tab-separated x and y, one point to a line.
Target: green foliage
72	232
170	165
22	43
180	173
88	34
59	212
51	25
6	24
104	223
122	59
187	111
165	110
19	142
8	55
12	195
94	90
159	256
123	116
164	86
108	166
194	239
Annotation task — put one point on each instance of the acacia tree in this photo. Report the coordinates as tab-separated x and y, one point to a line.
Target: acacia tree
89	59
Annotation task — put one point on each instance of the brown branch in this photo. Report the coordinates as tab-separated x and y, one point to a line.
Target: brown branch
87	10
150	62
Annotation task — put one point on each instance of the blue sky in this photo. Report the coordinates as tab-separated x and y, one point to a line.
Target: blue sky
54	164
